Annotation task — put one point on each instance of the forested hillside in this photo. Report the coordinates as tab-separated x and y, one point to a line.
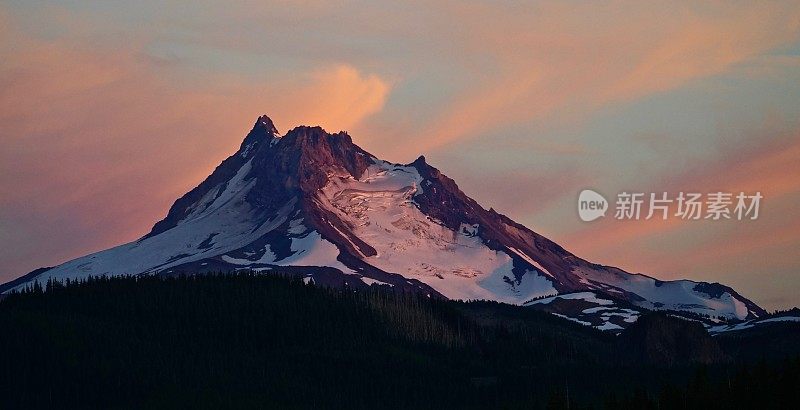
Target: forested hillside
266	341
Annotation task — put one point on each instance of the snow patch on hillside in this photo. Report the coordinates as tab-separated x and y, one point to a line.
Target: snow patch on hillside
370	281
751	323
590	297
662	295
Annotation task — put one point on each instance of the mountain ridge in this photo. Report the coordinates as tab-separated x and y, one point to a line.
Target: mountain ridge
318	203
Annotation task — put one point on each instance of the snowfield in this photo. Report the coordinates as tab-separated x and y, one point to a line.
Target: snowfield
380	210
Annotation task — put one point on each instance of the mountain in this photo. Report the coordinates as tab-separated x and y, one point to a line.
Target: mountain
314	204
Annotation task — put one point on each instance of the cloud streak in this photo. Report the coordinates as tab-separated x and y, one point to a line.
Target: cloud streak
569	60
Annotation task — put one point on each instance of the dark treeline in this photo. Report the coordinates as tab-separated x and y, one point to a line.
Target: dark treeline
255	341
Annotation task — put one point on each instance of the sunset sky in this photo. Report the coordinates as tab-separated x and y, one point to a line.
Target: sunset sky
110	110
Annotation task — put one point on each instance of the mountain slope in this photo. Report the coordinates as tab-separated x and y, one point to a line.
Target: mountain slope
337	215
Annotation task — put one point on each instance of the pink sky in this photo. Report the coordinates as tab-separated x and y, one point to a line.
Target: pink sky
108	114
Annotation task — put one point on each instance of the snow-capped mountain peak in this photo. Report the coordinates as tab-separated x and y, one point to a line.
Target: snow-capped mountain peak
263	132
315	204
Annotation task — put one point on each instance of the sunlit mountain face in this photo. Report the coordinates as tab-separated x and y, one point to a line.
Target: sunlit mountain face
319	206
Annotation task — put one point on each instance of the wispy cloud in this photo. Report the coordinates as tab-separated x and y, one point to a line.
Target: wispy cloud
567	60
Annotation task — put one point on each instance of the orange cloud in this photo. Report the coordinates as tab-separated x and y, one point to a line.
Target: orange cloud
337	98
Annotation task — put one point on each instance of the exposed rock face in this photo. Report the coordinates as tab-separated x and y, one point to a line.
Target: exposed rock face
317	205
